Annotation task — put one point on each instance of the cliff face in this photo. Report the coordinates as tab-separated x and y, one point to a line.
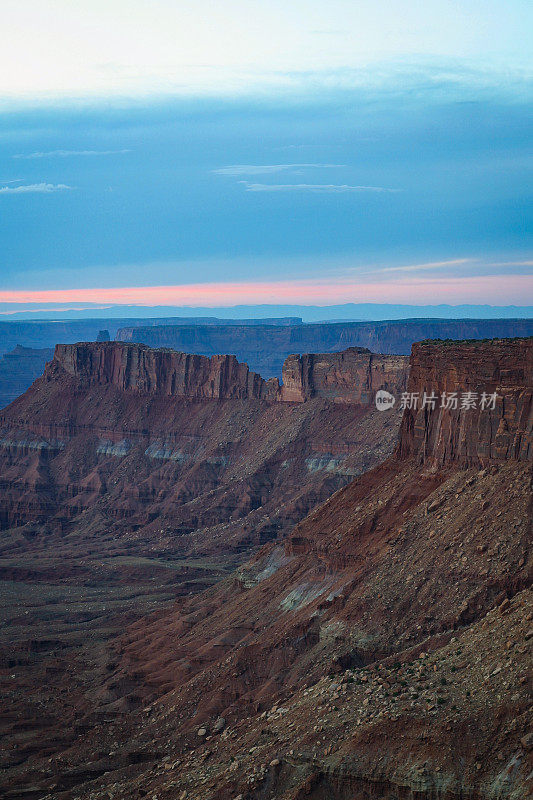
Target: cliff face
198	442
166	373
262	344
383	650
483	407
353	376
33	342
265	347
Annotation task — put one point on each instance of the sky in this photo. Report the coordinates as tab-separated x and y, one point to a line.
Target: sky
237	152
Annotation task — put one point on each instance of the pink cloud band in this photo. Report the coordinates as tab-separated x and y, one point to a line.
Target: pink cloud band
495	289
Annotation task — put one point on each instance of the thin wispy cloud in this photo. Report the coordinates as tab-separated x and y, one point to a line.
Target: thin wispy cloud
34	188
528	263
67	153
429	265
312	187
268	169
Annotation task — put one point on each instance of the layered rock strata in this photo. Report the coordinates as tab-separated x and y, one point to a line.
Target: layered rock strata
469	403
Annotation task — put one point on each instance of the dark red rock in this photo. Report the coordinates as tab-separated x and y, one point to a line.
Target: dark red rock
352	376
137	368
194	442
470	436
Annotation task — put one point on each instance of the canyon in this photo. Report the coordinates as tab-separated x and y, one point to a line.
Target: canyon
375	641
265	348
264	344
154	438
25	347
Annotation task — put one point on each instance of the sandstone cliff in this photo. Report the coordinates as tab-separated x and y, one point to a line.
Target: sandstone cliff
137	368
352	376
483	407
190	441
263	344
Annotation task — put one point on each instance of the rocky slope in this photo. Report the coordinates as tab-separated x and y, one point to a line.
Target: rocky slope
383	649
265	348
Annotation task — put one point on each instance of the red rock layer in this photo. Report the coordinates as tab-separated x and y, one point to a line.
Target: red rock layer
135	367
352	376
492	430
182	443
383	652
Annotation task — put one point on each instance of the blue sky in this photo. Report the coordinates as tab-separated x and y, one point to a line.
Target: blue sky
390	165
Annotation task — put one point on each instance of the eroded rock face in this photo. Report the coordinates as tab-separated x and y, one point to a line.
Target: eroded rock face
155	439
352	376
492	380
382	649
135	367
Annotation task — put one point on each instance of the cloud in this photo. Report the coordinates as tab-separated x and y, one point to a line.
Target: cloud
528	263
65	153
35	188
429	265
498	289
268	169
311	187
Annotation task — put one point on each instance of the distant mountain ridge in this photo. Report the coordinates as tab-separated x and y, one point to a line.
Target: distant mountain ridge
320	313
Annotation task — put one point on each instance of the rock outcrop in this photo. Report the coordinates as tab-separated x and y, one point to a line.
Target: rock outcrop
195	442
469	403
263	344
352	376
137	368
